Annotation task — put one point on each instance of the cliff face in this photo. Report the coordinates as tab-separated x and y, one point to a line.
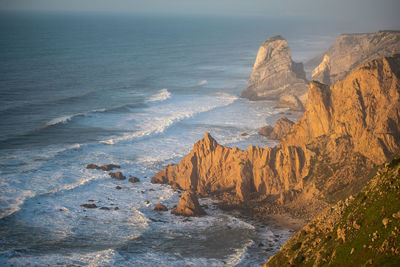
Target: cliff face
275	75
212	168
361	231
346	130
352	50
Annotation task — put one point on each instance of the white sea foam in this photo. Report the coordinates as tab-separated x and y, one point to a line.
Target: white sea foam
67	118
62	119
203	82
161	95
156	120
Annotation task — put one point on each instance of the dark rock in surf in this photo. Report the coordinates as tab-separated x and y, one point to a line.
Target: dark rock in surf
160	207
117	175
89	206
134	179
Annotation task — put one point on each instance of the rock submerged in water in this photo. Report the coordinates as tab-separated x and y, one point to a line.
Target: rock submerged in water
107	167
188	206
117	175
160	207
89	206
134	179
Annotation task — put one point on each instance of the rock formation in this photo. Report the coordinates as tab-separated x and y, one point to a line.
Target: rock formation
280	129
361	231
345	131
352	50
276	76
133	179
160	207
107	167
117	175
323	71
188	206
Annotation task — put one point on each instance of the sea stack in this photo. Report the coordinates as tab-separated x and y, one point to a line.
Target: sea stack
276	76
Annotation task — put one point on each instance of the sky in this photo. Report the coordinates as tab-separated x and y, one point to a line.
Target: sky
384	12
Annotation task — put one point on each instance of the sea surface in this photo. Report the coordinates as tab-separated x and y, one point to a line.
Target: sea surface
136	91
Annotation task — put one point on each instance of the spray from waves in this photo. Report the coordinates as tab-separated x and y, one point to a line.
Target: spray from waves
161	95
203	82
158	123
67	118
15	197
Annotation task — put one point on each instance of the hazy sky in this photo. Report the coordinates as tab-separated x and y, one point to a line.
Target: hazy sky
385	12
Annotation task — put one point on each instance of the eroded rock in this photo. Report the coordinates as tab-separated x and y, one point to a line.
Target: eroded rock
275	74
117	175
188	206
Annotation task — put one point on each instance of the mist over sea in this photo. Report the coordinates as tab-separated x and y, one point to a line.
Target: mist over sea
137	91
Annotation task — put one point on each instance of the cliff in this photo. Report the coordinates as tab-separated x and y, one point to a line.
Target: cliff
276	76
346	130
350	51
361	231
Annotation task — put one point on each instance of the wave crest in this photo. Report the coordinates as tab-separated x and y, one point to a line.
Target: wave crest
161	95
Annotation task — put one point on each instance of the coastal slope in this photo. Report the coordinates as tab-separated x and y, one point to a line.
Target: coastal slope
346	130
276	76
361	231
351	50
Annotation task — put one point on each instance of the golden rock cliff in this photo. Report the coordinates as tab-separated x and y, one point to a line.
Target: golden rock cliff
345	131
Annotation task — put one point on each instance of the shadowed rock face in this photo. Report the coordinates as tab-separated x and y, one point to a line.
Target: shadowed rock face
275	75
352	50
345	131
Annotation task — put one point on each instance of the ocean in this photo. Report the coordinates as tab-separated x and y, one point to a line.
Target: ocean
136	91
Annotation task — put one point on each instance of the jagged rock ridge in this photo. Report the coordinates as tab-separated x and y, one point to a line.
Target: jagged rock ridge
352	50
345	131
276	76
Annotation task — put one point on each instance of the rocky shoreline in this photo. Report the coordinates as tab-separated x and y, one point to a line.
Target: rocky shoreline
348	129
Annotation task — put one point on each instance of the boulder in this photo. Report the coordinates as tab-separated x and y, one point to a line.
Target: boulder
280	129
89	206
160	207
117	175
107	167
133	179
188	206
266	130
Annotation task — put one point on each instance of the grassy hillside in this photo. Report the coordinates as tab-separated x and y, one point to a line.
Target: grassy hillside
361	231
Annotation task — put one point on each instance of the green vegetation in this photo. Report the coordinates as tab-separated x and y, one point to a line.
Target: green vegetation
361	231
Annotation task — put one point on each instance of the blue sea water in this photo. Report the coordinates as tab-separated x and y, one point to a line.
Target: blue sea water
136	91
